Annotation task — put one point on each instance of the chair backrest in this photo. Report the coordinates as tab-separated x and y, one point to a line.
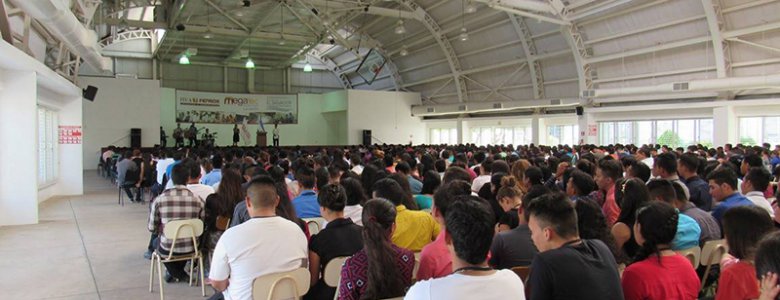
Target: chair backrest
319	220
183	229
692	254
286	285
522	272
712	252
314	228
332	272
222	223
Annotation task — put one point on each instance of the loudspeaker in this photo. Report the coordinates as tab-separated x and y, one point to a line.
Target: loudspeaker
579	110
89	92
135	138
366	137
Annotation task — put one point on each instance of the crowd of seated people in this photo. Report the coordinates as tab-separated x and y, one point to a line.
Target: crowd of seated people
468	216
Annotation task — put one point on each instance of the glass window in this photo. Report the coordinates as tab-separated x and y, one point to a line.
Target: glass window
771	130
674	133
624	133
47	146
644	132
750	130
686	132
562	134
444	136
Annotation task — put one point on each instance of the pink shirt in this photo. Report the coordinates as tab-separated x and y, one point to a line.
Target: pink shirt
435	260
610	207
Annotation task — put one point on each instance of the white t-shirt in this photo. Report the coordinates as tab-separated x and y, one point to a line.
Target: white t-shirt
276	245
201	190
479	182
162	165
354	212
504	284
758	199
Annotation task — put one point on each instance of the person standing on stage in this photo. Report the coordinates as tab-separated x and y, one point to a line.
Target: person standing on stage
193	135
276	134
236	138
178	135
163	138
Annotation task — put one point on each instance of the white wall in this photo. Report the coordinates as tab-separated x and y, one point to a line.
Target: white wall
387	114
18	131
70	178
120	104
314	127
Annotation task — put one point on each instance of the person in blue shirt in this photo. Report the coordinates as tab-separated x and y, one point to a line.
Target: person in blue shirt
723	189
404	168
215	176
306	205
688	229
177	157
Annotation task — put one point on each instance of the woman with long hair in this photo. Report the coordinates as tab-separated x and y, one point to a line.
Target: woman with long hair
518	171
431	182
593	225
743	228
380	270
408	200
355	200
659	272
509	197
630	195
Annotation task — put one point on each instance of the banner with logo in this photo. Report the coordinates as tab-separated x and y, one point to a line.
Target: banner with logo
221	108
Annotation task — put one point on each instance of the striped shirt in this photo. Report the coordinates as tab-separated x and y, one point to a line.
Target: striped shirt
177	203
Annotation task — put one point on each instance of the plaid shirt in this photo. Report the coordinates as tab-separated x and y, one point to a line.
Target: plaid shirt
177	203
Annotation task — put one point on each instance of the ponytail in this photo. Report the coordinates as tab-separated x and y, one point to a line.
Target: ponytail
384	276
509	188
659	226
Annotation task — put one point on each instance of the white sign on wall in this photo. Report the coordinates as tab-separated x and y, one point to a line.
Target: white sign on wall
222	108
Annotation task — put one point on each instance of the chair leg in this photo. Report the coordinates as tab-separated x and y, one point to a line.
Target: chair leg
192	267
151	272
160	278
202	279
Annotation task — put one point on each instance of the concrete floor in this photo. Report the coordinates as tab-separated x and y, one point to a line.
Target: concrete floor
85	247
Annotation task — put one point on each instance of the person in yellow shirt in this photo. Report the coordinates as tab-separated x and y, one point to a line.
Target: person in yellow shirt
414	229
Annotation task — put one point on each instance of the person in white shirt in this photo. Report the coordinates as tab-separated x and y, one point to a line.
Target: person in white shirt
753	186
201	190
277	245
162	165
643	155
469	222
485	170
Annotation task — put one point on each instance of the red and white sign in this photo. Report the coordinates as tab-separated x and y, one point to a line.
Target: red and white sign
70	134
592	130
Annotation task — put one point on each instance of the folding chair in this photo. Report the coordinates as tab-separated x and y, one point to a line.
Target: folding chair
179	229
711	254
286	285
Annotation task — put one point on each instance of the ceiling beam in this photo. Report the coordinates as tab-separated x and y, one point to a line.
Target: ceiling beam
372	10
257	28
720	48
227	16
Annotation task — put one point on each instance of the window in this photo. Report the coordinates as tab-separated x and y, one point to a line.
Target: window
444	136
501	135
674	133
562	134
47	146
757	130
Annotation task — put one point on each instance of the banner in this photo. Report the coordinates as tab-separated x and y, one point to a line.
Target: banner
70	134
220	108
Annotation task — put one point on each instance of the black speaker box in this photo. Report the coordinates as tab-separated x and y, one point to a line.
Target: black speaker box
135	138
579	110
90	92
366	137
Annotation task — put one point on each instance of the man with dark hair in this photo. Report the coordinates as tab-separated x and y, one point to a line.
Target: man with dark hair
265	244
215	176
566	266
470	230
750	161
435	259
723	189
639	170
455	173
687	166
666	168
644	155
404	168
753	186
689	232
193	183
485	171
305	204
440	166
127	174
580	186
176	203
414	229
607	173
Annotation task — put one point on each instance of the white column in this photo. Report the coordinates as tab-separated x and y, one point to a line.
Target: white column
539	130
585	121
19	136
725	124
461	126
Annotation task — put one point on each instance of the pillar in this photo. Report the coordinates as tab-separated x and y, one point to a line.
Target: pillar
725	125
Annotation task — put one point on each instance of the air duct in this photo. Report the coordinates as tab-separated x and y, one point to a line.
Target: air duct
56	17
704	85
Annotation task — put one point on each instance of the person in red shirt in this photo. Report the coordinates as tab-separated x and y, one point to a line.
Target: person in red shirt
658	272
435	258
607	173
743	227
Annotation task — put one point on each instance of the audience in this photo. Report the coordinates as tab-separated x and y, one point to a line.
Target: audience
514	247
579	185
355	199
381	269
435	259
405	170
658	272
723	189
567	267
593	226
413	229
277	245
665	167
215	176
509	197
688	230
607	173
431	182
469	223
485	171
193	184
341	237
754	184
743	228
306	203
219	207
687	166
176	203
707	223
630	194
768	266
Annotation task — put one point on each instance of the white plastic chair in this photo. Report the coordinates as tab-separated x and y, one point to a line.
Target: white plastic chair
332	273
693	255
711	254
314	224
286	285
175	230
